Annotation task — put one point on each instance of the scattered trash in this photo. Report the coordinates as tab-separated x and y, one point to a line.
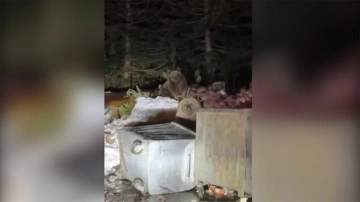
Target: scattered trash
110	139
217	191
217	86
162	199
109	116
210	192
215	97
121	107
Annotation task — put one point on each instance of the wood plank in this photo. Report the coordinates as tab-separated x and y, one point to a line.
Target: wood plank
221	147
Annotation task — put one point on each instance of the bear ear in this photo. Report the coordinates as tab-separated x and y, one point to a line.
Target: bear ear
178	69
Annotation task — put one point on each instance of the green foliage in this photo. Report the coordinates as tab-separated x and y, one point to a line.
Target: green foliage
197	76
137	93
125	110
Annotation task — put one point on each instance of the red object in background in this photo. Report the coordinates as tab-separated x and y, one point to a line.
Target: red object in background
243	99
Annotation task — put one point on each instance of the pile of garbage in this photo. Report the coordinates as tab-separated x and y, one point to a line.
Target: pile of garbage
217	98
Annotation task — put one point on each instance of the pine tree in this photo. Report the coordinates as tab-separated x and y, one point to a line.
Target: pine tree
146	36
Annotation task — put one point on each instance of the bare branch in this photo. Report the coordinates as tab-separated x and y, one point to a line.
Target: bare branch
153	71
148	18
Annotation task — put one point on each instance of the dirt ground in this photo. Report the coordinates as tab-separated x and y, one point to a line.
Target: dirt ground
122	191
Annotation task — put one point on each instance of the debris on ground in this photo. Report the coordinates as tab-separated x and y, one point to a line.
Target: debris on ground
122	107
162	198
214	96
137	93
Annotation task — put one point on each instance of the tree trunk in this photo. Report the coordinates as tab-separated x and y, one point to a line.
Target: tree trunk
173	54
208	46
127	62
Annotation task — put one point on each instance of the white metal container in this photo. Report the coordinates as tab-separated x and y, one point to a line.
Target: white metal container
158	159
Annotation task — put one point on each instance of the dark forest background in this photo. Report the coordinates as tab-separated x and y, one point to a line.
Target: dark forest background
210	40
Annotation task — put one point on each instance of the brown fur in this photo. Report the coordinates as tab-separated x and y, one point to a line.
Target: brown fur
165	116
186	123
175	87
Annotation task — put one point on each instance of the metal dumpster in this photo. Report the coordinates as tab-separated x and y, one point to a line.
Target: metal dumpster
158	159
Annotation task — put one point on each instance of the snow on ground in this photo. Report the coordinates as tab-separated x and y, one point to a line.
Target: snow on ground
143	109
